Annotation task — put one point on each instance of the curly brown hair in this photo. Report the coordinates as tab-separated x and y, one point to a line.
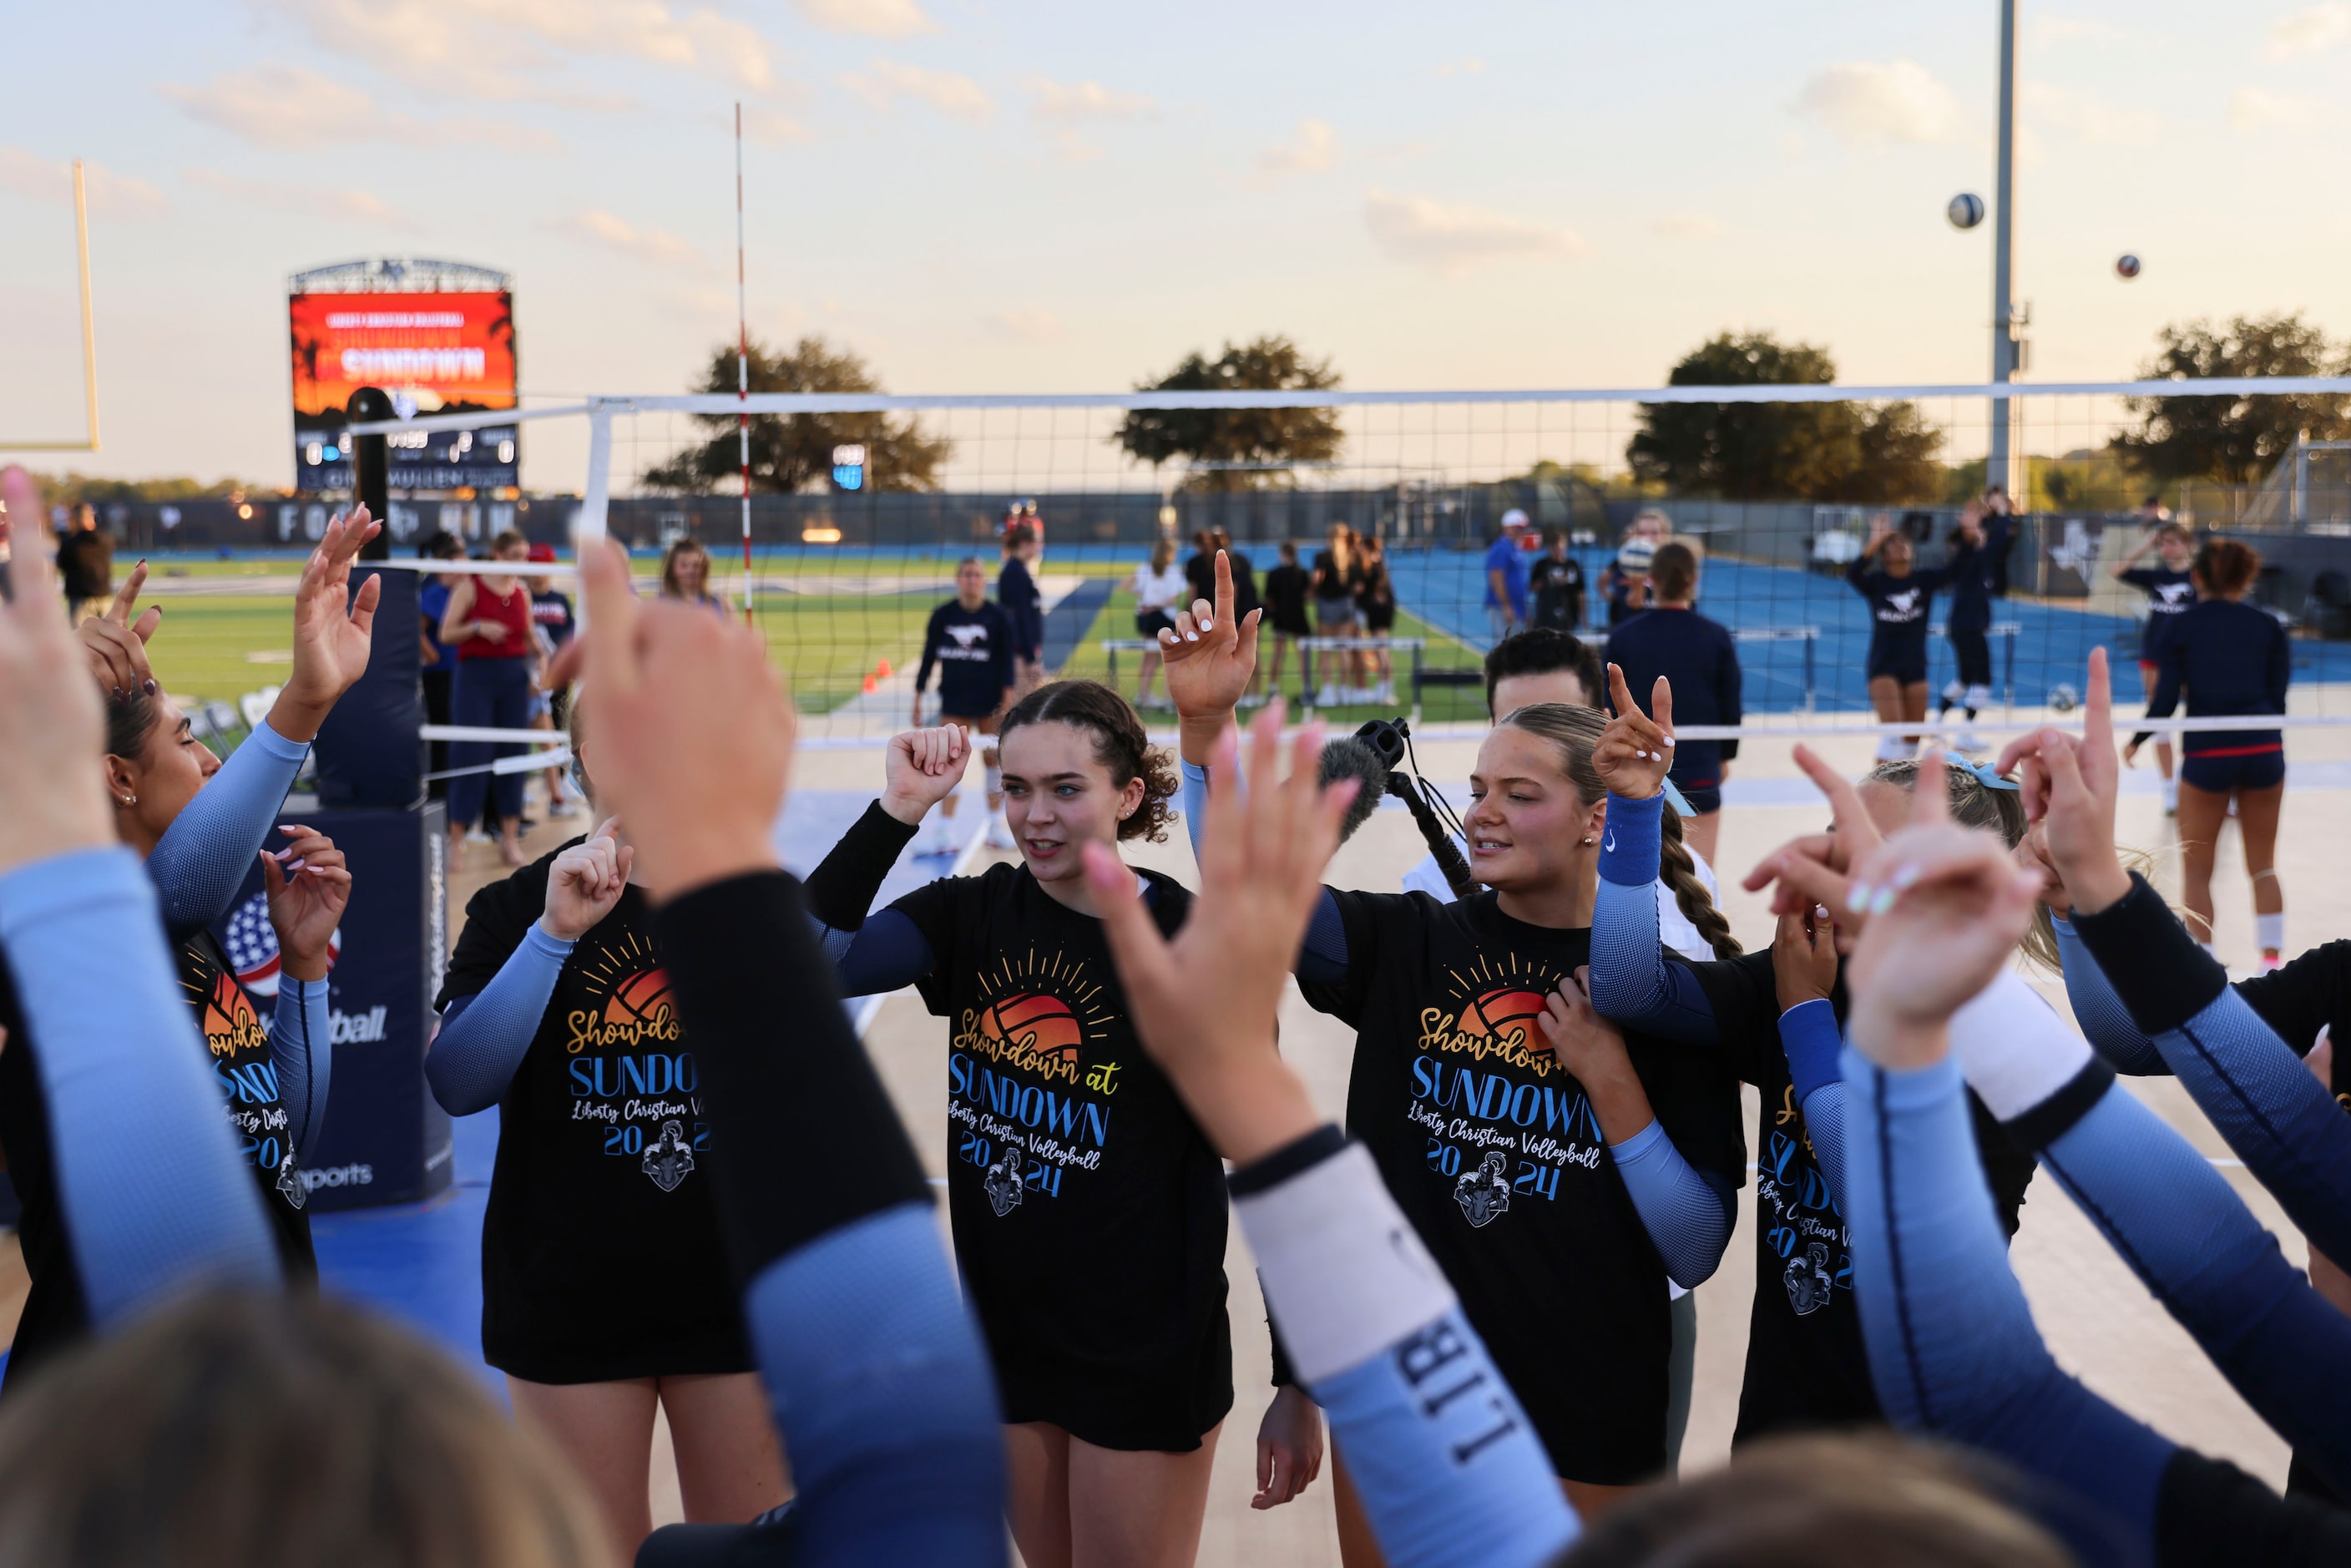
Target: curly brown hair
1120	745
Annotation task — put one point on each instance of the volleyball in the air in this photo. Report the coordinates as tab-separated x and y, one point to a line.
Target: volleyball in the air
2064	699
1966	211
2125	266
1633	556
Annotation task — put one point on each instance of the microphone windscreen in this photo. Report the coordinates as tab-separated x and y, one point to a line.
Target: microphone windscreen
1349	758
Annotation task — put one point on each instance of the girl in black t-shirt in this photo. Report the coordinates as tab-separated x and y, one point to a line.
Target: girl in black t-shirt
605	1289
1089	1212
1901	602
1560	1172
1805	1364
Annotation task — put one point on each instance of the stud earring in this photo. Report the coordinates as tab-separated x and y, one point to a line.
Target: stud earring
131	799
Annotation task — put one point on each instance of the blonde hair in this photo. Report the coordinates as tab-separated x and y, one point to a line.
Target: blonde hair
1976	804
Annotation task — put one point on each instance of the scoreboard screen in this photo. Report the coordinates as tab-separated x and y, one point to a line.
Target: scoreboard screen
446	353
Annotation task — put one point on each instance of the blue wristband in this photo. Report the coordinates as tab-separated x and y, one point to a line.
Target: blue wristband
1632	841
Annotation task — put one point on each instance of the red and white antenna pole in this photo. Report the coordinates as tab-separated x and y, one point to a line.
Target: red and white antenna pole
742	364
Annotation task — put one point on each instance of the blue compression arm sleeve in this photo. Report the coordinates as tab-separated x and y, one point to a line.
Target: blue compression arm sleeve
2105	1022
2280	1120
2184	1233
302	1051
484	1038
1447	1466
1809	1035
885	954
1631	981
155	1197
879	1383
1322	956
1687	1217
209	846
1952	1348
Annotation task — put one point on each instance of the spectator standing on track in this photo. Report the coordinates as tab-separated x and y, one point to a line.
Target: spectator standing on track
1336	570
1287	589
1023	602
488	623
1375	598
1506	577
440	659
686	575
1556	581
85	563
1158	594
2170	590
1700	659
1625	589
552	626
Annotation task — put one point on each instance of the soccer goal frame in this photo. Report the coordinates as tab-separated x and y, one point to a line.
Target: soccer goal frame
89	442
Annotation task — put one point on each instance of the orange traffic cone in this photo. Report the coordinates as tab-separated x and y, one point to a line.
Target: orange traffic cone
870	685
883	671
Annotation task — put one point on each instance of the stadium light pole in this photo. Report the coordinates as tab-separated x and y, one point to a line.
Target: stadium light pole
2003	461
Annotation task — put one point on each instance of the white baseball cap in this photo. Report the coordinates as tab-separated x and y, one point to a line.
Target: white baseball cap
1514	518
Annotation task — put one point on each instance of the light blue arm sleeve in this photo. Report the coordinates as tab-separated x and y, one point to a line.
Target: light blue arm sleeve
1446	1465
1322	956
1952	1347
302	1051
473	1057
2192	1243
1811	1039
1687	1217
877	1373
156	1199
2105	1022
1631	980
211	844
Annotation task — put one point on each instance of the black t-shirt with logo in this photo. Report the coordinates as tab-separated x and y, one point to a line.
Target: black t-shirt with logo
237	1042
1089	1211
2170	595
1491	1149
1805	1364
1558	590
601	1256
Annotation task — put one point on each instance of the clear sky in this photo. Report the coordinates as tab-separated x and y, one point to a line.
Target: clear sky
1056	196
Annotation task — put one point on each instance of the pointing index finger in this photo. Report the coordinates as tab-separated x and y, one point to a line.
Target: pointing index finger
611	637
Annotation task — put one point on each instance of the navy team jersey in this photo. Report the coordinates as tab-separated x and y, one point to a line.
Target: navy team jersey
973	650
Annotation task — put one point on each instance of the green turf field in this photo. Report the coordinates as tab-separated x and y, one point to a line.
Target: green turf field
218	648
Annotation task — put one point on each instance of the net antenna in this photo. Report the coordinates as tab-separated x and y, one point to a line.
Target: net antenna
742	364
88	336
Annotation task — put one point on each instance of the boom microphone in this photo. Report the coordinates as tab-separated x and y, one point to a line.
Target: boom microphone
1349	758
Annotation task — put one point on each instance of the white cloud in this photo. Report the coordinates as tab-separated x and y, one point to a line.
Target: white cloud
768	127
2251	108
1083	101
498	49
274	105
1025	325
2048	30
1685	225
945	91
113	194
2091	118
652	247
307	200
1860	102
2310	32
1453	240
1316	149
869	19
1472	66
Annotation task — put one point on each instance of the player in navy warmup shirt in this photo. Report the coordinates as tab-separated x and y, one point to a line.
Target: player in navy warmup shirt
972	642
1702	660
1979	552
2233	658
2170	590
1899	598
1024	604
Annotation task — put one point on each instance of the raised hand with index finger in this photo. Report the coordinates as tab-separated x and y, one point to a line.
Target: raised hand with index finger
333	630
117	644
1210	657
1635	751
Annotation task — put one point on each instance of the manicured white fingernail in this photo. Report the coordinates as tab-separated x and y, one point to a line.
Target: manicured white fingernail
1905	877
1668	740
1856	898
1191	636
1882	901
1208	624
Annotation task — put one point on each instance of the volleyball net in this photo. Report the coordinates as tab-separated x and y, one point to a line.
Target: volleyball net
888	495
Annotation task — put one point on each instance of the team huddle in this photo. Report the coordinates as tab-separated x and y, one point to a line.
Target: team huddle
705	1203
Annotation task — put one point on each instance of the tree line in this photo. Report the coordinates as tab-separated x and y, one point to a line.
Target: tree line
1861	453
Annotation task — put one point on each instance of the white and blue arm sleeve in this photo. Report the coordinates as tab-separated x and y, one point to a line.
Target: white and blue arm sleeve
485	1037
302	1053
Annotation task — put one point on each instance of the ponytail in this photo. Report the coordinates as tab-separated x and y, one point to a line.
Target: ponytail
1691	897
